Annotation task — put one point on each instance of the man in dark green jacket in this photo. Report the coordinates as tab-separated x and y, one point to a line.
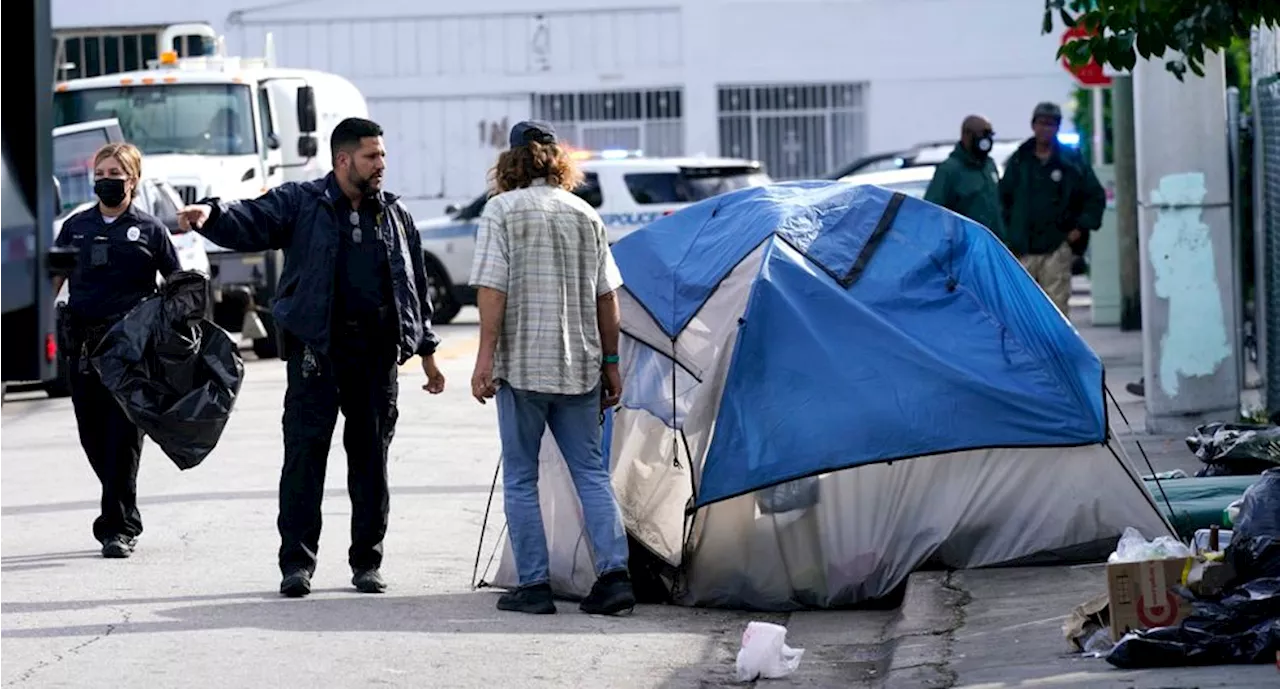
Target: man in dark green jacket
1052	201
967	181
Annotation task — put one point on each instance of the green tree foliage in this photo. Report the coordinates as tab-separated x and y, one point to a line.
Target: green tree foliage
1237	73
1124	30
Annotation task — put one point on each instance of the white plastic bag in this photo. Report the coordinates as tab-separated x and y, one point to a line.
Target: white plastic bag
765	653
1134	548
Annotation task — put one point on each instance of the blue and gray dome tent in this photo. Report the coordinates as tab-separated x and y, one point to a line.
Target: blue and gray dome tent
828	386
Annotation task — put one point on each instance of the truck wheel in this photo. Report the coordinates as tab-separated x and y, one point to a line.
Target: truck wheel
267	347
444	308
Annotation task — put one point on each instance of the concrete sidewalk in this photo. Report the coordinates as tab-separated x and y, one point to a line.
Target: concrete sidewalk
1003	627
1121	354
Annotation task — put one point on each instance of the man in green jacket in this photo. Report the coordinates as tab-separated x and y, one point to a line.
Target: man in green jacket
967	182
1052	201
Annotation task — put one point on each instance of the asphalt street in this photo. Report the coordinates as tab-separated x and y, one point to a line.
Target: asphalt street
197	605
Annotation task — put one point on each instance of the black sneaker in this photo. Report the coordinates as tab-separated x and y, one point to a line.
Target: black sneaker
611	595
1138	389
534	600
296	584
369	581
118	547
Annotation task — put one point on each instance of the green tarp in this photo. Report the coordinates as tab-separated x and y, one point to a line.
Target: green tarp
1198	503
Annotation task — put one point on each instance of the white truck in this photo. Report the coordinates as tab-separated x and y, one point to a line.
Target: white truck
222	126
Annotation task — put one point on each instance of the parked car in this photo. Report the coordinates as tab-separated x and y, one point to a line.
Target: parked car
912	181
628	189
924	154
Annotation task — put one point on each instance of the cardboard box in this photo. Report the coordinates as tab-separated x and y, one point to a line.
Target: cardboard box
1140	595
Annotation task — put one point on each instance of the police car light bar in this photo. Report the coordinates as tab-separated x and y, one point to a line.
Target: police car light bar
619	154
606	154
1071	139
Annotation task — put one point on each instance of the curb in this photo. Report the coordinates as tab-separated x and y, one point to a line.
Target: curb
919	642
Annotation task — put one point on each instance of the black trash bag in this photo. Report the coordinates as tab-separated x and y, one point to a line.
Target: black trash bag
1236	449
1255	537
1241	628
175	374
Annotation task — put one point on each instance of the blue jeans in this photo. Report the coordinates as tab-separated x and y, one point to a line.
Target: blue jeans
523	417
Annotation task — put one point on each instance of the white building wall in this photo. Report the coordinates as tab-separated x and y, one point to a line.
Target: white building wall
441	76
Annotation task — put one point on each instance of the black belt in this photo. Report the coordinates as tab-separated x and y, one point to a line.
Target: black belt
379	318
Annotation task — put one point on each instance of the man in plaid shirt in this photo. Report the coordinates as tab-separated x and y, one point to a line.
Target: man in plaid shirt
549	324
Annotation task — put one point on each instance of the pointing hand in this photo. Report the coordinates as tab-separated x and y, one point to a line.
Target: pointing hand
193	217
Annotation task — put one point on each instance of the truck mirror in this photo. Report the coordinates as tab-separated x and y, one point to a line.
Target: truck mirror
306	109
57	197
307	146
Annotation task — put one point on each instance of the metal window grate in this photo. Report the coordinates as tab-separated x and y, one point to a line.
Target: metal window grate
94	52
651	121
799	131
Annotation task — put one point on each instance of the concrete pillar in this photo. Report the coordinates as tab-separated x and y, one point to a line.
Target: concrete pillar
1104	258
702	26
1185	241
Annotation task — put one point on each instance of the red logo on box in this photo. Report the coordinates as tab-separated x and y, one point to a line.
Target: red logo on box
1158	615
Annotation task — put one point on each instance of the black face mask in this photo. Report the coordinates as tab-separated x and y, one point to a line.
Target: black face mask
110	192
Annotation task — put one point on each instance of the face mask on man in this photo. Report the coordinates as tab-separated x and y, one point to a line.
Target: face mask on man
110	191
981	146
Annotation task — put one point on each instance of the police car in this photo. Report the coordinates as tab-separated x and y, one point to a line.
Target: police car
628	189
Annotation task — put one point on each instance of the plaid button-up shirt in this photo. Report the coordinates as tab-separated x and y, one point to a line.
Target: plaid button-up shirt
547	250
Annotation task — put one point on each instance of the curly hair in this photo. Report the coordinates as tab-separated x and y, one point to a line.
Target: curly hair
519	166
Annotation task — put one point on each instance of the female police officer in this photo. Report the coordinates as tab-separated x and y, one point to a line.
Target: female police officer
119	250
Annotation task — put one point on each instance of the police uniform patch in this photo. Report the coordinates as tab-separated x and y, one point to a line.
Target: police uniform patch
134	233
1056	175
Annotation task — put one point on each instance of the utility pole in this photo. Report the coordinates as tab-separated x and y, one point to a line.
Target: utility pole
1126	173
1184	210
1099	146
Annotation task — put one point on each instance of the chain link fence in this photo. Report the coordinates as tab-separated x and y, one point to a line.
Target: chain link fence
1266	99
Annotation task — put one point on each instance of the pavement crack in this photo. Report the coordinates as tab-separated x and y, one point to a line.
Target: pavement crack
959	615
59	657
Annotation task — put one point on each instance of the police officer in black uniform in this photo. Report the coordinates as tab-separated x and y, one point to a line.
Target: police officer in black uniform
352	305
119	249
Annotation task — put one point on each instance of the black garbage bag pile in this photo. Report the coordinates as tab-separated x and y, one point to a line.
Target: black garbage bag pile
1236	449
1243	625
175	374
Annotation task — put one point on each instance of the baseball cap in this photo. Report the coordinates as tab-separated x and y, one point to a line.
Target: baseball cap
530	131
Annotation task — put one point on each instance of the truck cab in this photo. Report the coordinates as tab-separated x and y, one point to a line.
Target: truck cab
227	127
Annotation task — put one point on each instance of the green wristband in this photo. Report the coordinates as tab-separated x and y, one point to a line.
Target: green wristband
611	358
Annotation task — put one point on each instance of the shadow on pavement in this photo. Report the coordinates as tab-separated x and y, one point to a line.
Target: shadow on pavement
341	610
271	494
42	557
